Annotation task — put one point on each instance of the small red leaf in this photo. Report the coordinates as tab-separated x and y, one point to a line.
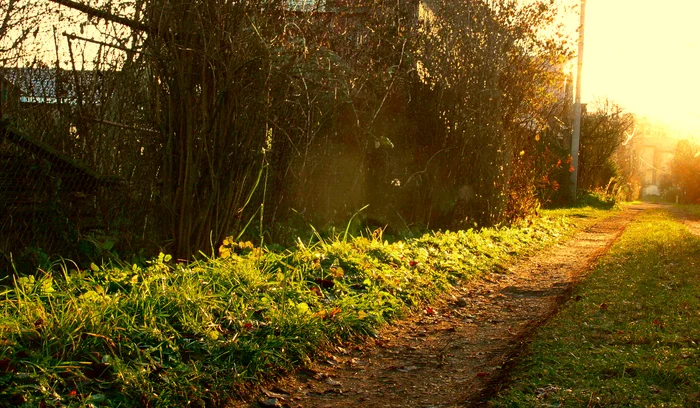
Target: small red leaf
6	366
17	399
324	283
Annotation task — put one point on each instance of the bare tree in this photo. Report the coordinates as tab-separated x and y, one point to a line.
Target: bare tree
235	87
18	20
492	73
249	108
604	129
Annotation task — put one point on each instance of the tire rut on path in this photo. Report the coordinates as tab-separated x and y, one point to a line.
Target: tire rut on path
460	350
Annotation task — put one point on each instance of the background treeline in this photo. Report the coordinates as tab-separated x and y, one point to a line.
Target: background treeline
221	117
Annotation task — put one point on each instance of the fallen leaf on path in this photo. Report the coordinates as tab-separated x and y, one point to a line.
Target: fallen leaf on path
356	361
272	394
332	382
381	343
269	402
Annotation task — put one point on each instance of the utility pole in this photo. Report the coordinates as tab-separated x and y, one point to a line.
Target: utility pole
577	105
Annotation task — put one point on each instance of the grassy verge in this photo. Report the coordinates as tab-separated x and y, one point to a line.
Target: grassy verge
691	208
171	334
630	335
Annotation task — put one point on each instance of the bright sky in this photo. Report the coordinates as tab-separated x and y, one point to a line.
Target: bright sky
645	55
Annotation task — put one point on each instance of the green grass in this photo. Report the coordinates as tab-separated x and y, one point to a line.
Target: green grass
170	334
629	337
691	208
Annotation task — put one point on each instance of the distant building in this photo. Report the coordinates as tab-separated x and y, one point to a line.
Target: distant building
653	148
23	87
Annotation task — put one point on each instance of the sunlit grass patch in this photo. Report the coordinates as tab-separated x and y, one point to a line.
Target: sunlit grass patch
692	208
169	334
630	334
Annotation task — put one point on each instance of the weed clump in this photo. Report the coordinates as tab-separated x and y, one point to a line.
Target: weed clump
167	333
596	199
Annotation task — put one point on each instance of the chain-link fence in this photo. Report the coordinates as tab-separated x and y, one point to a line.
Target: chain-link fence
48	200
62	176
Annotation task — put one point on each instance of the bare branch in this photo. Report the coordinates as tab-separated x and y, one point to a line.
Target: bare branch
122	126
90	40
91	11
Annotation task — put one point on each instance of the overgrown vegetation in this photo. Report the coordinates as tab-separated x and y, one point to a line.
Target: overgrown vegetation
629	336
685	172
437	114
693	209
605	163
596	199
171	334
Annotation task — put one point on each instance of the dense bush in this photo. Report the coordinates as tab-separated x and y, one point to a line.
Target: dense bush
685	170
596	199
231	117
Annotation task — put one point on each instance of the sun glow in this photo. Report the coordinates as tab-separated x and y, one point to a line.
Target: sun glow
644	55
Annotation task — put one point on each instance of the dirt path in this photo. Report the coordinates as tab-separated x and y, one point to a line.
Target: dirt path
458	352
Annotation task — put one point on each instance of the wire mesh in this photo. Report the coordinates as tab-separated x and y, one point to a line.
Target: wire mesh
62	176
